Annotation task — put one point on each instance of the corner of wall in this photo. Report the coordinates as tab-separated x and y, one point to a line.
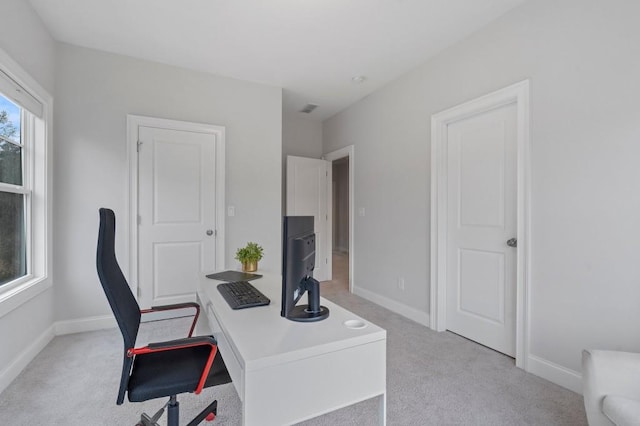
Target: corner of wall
14	368
555	373
399	308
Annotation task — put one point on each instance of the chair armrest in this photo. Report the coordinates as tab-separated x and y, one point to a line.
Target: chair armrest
178	344
170	307
608	373
183	343
177	306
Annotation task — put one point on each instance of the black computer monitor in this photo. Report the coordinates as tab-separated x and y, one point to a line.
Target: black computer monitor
298	262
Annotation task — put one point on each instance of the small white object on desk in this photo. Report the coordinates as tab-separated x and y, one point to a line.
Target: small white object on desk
355	324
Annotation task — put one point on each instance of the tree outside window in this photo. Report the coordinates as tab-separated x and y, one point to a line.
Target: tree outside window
12	194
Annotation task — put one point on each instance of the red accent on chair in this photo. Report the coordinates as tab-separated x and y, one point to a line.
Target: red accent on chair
181	344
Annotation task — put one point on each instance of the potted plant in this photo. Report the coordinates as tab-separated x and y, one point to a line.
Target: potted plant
249	256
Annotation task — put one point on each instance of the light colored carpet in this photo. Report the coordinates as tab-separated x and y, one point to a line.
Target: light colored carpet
432	379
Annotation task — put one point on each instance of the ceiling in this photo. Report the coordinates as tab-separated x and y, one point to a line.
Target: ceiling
310	48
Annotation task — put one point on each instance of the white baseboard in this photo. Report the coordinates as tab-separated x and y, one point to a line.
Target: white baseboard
9	373
397	307
103	322
81	325
555	373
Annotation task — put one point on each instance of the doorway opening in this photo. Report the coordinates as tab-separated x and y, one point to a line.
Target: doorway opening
342	231
340	212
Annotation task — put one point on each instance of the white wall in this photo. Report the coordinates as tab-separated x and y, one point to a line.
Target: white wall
25	38
583	59
95	92
24	330
301	137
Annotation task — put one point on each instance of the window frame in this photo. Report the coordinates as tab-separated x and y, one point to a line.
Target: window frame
26	144
36	185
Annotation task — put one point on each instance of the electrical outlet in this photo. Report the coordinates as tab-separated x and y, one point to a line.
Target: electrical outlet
401	284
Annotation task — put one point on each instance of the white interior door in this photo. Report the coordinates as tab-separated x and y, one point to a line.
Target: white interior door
177	196
481	205
307	195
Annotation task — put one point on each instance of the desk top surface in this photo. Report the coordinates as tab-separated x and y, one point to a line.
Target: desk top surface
260	337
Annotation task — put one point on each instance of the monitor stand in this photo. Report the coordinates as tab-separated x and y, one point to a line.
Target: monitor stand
313	311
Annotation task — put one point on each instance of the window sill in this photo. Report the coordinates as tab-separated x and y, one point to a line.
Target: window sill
20	293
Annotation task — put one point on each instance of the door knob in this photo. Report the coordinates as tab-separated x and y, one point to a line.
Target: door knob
209	232
512	242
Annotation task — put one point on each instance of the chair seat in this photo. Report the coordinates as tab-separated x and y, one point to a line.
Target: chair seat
172	372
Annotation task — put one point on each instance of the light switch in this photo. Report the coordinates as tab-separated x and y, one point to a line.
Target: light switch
361	211
231	211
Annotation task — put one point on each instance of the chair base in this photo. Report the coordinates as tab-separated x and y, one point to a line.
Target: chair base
145	420
173	414
205	414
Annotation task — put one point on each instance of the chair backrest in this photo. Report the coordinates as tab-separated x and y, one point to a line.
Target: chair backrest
115	286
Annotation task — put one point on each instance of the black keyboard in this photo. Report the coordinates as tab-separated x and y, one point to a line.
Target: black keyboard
241	294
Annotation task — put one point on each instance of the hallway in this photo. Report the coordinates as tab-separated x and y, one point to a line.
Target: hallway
340	281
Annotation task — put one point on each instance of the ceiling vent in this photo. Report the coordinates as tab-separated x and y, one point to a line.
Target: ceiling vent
308	108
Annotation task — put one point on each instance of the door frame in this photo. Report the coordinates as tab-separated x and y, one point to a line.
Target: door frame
346	152
134	122
517	94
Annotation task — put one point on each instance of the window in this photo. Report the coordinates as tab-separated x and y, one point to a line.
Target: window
14	192
25	111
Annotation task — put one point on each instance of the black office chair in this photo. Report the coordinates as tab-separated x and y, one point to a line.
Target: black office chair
158	369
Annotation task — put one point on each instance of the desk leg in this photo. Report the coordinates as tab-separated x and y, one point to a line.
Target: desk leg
202	326
383	409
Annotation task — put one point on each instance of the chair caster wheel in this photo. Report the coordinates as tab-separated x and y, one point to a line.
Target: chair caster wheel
210	417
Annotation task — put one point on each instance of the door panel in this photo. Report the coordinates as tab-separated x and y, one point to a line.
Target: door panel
481	173
176	185
481	269
307	196
169	282
481	287
177	207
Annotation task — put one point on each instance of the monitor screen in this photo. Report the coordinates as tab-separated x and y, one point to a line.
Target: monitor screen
298	262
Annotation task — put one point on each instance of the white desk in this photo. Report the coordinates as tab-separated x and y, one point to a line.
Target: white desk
286	372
